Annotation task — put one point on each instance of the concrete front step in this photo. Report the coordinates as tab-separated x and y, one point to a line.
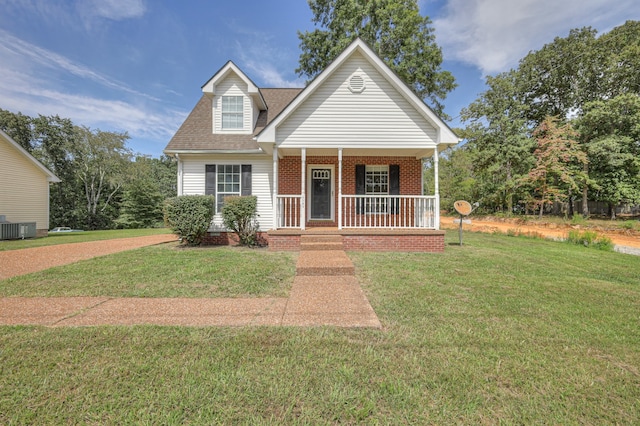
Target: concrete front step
324	262
320	238
321	246
321	242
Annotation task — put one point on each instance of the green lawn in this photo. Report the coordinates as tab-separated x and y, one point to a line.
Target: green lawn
80	237
501	331
165	270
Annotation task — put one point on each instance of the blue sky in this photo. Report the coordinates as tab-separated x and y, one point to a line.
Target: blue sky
138	65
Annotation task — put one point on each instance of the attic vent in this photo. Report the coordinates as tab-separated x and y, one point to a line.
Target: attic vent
356	84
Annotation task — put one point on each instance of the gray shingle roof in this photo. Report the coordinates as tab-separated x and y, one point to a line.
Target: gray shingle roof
195	133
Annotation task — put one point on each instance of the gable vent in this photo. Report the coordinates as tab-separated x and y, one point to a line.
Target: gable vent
356	84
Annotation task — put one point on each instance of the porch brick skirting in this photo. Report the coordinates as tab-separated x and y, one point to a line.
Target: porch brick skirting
415	240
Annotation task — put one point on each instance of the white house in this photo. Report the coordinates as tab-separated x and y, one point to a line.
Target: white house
24	186
344	154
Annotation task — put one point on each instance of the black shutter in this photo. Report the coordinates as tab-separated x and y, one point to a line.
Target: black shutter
360	187
210	179
394	186
246	179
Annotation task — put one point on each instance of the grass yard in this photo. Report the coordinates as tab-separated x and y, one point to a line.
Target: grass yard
165	270
504	330
80	237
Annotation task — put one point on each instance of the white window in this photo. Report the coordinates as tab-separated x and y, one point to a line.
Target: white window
376	183
232	107
224	180
228	182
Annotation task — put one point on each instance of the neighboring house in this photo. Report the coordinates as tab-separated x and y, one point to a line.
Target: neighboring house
24	186
344	153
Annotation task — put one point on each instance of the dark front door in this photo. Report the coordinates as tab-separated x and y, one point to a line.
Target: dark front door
320	193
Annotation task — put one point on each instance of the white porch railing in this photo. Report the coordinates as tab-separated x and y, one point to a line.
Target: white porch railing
389	211
288	213
368	211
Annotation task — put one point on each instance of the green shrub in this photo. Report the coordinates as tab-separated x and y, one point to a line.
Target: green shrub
239	215
590	239
578	219
189	216
630	224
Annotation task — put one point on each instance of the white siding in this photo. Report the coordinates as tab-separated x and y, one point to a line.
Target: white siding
24	189
334	116
193	182
234	86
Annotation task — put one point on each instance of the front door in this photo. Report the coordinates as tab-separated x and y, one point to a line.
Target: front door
321	193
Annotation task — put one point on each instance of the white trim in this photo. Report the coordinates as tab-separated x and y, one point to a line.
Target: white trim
303	195
210	86
180	175
274	188
339	188
436	190
310	168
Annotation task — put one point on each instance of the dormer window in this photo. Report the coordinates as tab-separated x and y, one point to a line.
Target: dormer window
232	107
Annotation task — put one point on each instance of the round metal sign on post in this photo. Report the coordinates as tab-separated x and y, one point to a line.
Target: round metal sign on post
463	207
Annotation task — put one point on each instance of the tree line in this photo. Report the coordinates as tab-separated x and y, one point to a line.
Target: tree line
563	126
104	184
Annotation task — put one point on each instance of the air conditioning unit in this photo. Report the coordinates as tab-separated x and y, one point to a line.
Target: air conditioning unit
16	231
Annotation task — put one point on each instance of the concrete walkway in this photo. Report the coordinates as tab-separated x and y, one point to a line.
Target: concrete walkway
325	291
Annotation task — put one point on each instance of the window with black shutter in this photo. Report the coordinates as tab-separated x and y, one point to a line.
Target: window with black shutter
224	180
377	180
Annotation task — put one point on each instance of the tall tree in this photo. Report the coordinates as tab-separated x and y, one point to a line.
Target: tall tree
500	139
559	164
610	131
395	30
150	182
18	127
103	162
557	79
54	141
457	177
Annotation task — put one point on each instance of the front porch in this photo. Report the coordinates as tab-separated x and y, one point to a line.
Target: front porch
353	190
371	239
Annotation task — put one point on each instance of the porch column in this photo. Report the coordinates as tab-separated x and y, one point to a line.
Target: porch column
275	187
180	172
339	188
303	170
437	189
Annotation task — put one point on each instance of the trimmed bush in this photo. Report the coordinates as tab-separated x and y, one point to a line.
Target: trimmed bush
239	215
590	239
189	216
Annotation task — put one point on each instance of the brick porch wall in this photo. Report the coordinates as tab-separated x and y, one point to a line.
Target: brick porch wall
402	243
230	239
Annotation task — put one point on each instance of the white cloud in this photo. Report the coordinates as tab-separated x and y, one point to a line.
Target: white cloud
37	56
494	34
31	82
263	59
115	10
